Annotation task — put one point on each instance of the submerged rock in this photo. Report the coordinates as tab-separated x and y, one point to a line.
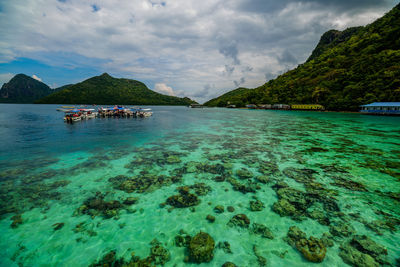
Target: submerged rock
327	239
262	261
145	182
229	264
230	209
348	184
219	209
280	254
263	179
292	202
387	224
16	220
109	259
201	248
240	220
57	226
341	229
284	208
244	173
319	216
182	240
200	189
250	187
159	254
96	205
300	175
219	178
256	205
225	246
173	160
214	169
262	230
366	246
352	256
130	200
210	218
312	248
183	200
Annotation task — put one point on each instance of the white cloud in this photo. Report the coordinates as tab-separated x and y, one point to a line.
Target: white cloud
163	89
5	78
183	43
36	78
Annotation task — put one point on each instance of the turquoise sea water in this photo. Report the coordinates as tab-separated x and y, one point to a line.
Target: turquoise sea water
346	168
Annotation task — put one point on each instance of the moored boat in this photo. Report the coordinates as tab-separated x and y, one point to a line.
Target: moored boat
72	115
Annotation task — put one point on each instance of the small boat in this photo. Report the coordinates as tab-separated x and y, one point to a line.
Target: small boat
65	108
143	112
88	113
73	115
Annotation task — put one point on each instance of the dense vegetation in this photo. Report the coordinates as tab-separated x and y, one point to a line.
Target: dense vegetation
23	89
347	69
234	96
105	89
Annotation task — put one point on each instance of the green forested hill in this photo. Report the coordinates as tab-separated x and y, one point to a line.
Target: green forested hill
23	89
347	69
105	89
234	96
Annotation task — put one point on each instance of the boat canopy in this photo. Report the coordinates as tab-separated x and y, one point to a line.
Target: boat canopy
383	104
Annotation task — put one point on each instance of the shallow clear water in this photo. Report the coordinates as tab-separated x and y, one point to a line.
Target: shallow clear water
347	166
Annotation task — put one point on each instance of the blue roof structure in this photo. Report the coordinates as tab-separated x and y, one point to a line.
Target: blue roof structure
383	104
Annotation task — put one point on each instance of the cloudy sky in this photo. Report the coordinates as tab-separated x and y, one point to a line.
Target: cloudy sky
199	49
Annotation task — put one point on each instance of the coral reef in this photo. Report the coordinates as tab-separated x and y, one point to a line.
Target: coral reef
184	199
313	249
363	251
158	256
201	248
239	220
219	209
146	182
225	246
210	218
262	230
96	205
256	205
262	261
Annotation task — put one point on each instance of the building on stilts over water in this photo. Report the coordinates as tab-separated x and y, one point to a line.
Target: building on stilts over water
381	108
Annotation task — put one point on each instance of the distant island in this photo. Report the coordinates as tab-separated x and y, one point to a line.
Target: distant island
102	89
23	89
347	69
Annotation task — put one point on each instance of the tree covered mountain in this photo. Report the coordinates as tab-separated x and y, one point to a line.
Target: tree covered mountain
23	89
347	69
105	89
234	96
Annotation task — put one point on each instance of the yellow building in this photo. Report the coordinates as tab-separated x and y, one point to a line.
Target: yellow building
308	107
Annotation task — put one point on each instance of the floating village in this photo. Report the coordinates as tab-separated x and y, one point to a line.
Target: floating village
74	114
376	108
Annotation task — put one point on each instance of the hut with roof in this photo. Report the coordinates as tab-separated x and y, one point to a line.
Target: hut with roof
381	108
